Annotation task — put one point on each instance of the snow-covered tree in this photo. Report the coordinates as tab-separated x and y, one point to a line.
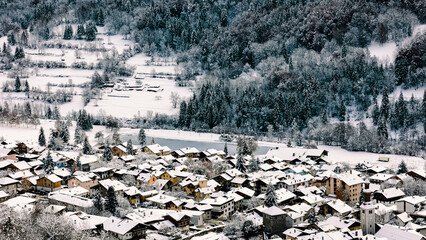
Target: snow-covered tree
402	168
270	197
312	217
142	137
253	165
48	164
129	147
107	154
241	164
111	202
98	202
41	138
78	163
87	149
78	135
116	138
361	199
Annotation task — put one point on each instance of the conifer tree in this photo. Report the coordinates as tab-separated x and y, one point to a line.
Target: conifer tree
41	138
97	202
270	197
241	164
78	163
48	164
129	147
49	113
402	168
80	32
342	111
312	217
17	84
361	199
253	165
78	135
91	32
385	108
107	154
111	202
27	87
87	149
116	138
142	137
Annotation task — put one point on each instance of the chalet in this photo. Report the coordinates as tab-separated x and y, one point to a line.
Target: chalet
335	207
49	183
410	204
160	200
124	228
9	185
87	181
127	158
240	182
119	150
178	219
383	159
417	174
147	194
174	176
7	153
380	178
133	195
3	196
104	172
389	195
186	152
21	148
27	157
174	205
118	186
86	161
59	160
156	149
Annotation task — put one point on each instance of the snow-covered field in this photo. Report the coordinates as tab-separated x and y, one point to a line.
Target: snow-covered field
130	104
386	52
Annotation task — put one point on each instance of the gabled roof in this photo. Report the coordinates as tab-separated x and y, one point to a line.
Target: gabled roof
7	181
394	233
118	225
274	211
391	193
117	185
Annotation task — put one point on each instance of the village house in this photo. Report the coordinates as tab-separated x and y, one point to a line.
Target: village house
124	228
389	195
276	221
223	207
49	183
87	181
119	150
410	204
70	201
9	185
178	219
189	152
156	149
8	153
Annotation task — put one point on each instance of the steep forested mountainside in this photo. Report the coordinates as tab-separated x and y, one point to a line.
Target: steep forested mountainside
267	65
